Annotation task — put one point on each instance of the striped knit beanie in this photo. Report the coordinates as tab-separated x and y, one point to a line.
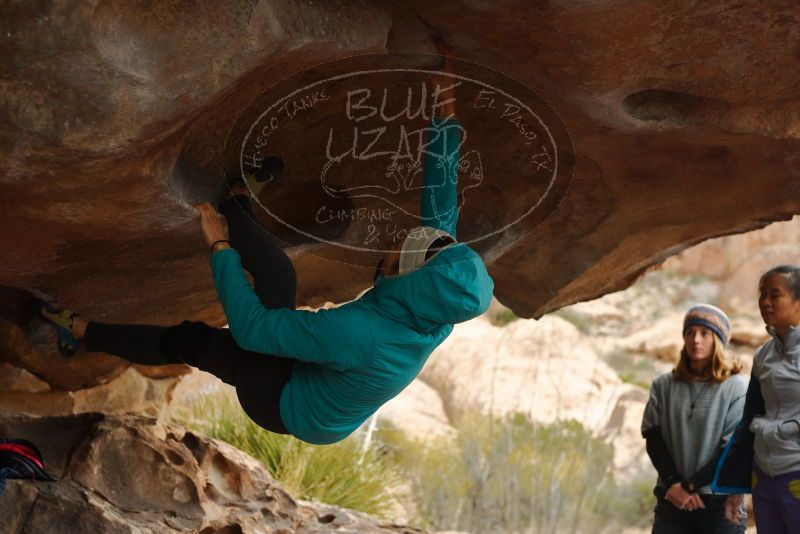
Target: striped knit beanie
712	318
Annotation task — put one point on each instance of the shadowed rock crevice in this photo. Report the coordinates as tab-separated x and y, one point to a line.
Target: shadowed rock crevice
672	106
779	118
227	529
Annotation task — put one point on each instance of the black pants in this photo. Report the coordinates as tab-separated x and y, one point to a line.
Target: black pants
258	378
710	520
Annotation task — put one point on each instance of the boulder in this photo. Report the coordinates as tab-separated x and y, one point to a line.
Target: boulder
116	116
720	258
130	392
542	368
595	316
624	430
545	369
740	290
749	331
663	340
128	474
418	412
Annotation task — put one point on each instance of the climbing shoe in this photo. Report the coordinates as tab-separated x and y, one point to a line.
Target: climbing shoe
66	341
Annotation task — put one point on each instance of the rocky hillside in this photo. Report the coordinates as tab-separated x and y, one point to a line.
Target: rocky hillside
593	361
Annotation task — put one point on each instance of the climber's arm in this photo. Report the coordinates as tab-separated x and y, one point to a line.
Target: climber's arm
326	337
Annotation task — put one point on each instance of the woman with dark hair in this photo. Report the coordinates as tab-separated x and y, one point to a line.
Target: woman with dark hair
764	455
691	414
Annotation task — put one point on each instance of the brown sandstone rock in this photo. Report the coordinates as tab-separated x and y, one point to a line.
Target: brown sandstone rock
16	379
662	340
545	369
130	474
721	258
749	331
684	121
740	291
417	412
623	430
114	118
542	368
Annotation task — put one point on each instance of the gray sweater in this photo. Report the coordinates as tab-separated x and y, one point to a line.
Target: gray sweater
777	432
694	435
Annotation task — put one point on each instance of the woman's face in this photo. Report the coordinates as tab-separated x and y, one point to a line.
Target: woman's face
778	306
699	343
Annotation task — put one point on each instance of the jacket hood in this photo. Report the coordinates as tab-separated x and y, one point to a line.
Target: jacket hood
452	287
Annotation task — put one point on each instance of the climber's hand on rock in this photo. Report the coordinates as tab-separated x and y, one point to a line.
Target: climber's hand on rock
212	223
442	85
443	48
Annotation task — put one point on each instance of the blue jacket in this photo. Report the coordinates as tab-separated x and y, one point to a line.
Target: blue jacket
354	358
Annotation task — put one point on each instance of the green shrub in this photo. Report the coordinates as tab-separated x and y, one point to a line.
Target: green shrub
630	505
631	377
509	475
503	317
583	323
495	475
342	474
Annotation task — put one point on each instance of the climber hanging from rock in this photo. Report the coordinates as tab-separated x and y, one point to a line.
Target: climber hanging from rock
316	375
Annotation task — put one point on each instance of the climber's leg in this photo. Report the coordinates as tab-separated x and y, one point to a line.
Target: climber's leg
274	277
141	344
258	378
197	344
188	342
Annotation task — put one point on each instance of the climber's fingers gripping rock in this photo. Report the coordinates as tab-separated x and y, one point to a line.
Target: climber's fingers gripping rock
212	223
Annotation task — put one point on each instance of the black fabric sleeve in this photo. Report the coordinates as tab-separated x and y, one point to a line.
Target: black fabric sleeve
659	455
736	470
753	403
705	474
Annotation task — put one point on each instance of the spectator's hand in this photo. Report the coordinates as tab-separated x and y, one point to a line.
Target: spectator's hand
212	223
756	424
680	498
734	509
697	502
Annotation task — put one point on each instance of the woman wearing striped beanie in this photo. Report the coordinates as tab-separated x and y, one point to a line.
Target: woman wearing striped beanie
691	413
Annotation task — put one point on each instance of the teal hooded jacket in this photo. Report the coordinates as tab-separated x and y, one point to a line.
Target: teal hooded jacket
354	358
